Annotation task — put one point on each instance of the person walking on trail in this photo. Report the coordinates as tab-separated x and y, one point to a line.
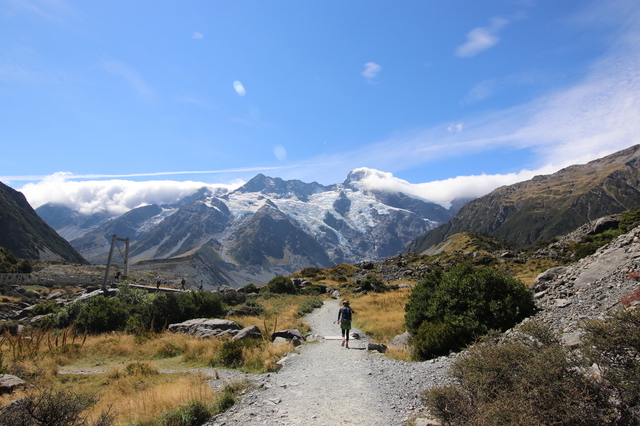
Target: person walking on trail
344	318
182	284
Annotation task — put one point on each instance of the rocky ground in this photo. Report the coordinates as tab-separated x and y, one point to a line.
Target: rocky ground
325	384
591	287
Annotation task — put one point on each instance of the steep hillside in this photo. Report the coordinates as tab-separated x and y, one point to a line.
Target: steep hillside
28	236
551	205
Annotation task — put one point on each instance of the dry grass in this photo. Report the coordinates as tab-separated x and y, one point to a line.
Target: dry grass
528	272
381	315
141	397
124	370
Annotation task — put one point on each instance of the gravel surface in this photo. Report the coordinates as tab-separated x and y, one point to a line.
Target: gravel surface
325	384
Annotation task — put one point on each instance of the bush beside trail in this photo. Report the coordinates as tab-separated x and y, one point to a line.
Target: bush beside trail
135	310
447	310
530	378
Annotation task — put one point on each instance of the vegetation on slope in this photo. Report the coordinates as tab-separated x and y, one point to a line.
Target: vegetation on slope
530	378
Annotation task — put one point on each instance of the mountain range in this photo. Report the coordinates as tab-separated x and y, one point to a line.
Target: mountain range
271	226
548	206
266	227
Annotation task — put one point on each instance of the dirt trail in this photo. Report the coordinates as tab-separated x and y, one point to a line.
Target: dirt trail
326	384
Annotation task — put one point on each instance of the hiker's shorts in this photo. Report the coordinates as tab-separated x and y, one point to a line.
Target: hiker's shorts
345	325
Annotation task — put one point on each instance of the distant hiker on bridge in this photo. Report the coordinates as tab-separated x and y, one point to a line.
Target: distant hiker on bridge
344	318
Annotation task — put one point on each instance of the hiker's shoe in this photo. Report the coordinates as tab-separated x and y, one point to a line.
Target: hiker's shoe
342	344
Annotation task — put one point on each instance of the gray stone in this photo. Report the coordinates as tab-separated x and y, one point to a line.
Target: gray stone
377	347
204	327
401	341
252	332
335	294
9	383
55	295
551	274
288	334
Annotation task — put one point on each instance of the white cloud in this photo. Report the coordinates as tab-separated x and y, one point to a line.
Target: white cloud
455	127
481	38
112	196
371	71
239	88
198	36
444	191
122	70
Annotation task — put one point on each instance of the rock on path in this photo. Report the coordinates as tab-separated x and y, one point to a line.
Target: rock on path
325	384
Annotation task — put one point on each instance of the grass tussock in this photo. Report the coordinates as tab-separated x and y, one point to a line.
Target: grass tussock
138	398
381	315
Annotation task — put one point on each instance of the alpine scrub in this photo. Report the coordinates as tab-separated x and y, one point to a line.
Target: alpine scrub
448	310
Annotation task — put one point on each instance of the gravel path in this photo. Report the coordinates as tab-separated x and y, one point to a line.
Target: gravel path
325	384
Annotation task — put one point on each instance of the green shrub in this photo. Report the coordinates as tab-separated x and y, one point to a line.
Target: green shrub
230	354
471	300
629	220
308	305
438	339
280	285
192	413
232	298
250	288
102	314
9	263
45	308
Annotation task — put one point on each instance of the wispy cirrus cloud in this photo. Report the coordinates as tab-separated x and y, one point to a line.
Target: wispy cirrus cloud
129	75
489	87
197	36
481	38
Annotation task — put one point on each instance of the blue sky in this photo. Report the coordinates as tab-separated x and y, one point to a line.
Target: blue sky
140	100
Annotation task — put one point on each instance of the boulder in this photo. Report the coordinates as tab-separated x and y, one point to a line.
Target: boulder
288	334
252	332
401	341
204	327
9	383
55	295
335	294
377	347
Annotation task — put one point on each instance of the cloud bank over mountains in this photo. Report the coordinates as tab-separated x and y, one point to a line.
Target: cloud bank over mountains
112	196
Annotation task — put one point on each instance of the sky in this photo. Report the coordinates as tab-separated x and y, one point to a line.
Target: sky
123	103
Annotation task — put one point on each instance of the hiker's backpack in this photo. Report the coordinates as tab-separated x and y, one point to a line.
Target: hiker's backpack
346	314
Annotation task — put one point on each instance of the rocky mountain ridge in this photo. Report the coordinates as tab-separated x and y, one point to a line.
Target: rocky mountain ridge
550	205
28	236
267	227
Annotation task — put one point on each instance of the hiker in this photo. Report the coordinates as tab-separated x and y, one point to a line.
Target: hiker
182	284
344	318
